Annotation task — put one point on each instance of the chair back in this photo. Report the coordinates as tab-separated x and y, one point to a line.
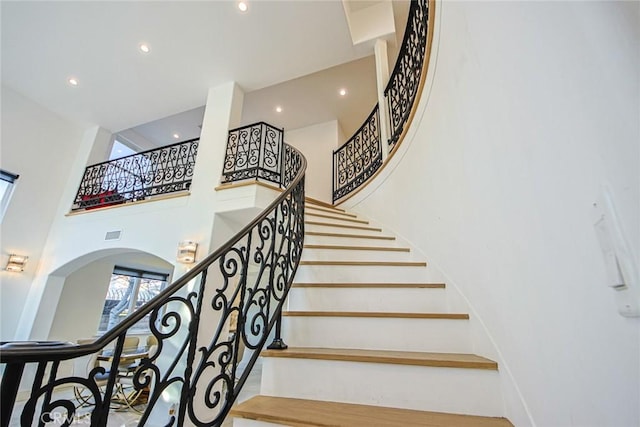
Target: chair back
130	343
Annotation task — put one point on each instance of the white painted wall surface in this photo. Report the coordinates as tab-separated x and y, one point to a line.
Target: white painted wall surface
38	145
154	227
84	292
533	107
317	143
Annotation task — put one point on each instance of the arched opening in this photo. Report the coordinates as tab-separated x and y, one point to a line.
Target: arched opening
85	286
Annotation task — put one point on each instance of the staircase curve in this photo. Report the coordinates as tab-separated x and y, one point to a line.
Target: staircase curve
375	339
193	376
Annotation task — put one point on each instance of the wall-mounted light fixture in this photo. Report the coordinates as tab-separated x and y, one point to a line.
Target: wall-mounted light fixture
187	252
16	263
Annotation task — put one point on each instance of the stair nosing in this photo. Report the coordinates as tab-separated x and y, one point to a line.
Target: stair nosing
353	227
412	358
355	220
371	285
330	210
349	236
376	314
366	263
278	409
312	201
357	248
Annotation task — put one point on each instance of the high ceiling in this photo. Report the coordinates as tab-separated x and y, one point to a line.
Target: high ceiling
193	46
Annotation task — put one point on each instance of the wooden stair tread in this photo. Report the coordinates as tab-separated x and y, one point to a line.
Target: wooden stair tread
330	210
394	315
337	218
368	263
311	200
415	358
355	236
330	224
357	248
370	285
315	413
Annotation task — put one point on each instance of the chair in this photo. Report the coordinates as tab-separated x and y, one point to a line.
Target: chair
130	346
152	340
82	368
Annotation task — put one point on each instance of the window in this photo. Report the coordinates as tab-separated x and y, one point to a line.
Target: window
128	290
7	180
119	149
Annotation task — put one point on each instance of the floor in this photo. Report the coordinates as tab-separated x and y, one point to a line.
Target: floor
131	418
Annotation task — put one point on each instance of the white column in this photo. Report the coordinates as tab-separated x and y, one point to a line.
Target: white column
382	77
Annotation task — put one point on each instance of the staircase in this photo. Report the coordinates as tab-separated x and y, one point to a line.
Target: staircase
372	341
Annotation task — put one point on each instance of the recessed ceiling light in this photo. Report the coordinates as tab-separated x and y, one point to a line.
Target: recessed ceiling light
73	81
278	109
144	48
243	6
176	136
342	92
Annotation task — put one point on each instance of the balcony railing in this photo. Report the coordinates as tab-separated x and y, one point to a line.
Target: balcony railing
154	172
193	376
356	162
358	158
405	78
254	152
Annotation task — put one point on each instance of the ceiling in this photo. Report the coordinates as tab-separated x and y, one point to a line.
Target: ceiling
295	54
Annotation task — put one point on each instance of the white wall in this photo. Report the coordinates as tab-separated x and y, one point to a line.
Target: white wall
317	143
84	291
38	145
155	227
534	107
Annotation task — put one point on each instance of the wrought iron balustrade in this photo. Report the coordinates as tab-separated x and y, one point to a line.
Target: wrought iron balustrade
358	158
404	82
361	156
254	151
244	282
159	171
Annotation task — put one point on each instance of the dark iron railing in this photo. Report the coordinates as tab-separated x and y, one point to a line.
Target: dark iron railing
247	279
405	78
150	173
254	151
358	158
353	165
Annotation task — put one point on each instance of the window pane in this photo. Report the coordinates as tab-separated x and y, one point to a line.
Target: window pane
125	293
118	149
147	289
117	301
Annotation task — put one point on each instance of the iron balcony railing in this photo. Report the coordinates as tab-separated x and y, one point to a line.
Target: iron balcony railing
358	158
193	376
405	78
349	170
136	177
254	151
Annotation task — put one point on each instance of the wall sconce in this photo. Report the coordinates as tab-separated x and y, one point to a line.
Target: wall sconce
16	263
187	252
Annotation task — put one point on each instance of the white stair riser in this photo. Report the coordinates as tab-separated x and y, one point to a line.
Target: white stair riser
338	220
356	255
404	300
349	241
454	390
343	230
365	274
433	335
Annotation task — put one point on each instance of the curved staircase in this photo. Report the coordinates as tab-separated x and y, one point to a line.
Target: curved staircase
372	340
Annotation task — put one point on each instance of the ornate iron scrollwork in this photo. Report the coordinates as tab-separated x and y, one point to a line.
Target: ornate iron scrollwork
254	151
359	158
244	283
402	89
164	170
